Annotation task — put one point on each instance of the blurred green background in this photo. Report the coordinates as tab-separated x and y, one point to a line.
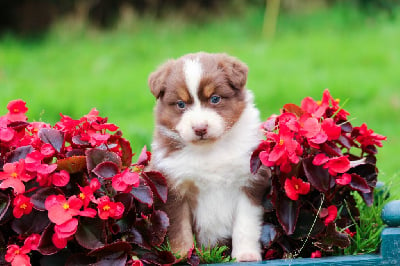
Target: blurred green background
78	59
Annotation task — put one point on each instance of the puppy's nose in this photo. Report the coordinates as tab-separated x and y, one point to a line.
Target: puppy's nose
200	130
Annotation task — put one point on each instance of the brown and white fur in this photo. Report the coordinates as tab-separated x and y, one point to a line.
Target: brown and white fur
206	128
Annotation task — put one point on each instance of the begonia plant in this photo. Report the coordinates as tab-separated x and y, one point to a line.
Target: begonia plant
70	194
317	160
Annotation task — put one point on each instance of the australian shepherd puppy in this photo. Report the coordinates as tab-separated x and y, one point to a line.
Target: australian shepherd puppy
206	129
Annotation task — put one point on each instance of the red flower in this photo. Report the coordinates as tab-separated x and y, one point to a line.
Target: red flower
343	180
61	210
22	205
125	181
330	128
108	209
329	214
316	254
347	231
337	165
366	137
17	256
6	133
59	242
295	187
66	229
17	110
13	176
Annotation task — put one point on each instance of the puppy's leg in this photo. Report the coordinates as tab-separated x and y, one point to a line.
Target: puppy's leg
180	233
246	231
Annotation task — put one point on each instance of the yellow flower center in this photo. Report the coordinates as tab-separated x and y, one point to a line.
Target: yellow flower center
319	102
106	207
296	187
82	196
16	252
14	175
281	142
16	110
66	206
23	206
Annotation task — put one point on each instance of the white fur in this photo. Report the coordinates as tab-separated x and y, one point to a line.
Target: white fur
193	72
220	169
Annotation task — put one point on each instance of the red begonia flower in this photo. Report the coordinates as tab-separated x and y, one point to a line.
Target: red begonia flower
310	126
367	137
344	179
60	179
59	242
137	263
330	128
66	229
61	210
13	176
6	133
285	145
21	205
17	110
347	231
316	254
329	214
47	150
108	209
17	256
337	165
31	242
295	187
320	159
125	181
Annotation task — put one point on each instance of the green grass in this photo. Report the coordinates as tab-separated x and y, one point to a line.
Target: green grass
75	68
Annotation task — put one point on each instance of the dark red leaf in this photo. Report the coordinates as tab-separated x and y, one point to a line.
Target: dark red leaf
77	139
72	165
255	162
79	259
110	249
305	224
126	152
368	197
60	258
144	157
318	176
346	127
46	246
157	183
268	235
19	153
91	233
41	195
137	238
53	137
5	202
143	194
294	109
34	222
96	156
358	183
106	169
159	258
159	224
287	211
366	171
333	238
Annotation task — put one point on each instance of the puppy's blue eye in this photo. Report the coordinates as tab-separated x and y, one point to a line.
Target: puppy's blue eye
215	99
181	104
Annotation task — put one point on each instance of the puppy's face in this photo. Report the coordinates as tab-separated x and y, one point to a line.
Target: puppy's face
199	96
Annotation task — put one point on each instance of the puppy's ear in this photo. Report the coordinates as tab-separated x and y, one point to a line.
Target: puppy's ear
158	78
235	71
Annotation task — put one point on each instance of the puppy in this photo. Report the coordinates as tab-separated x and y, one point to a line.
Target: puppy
206	128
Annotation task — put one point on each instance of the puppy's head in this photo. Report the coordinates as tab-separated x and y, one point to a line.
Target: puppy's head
199	96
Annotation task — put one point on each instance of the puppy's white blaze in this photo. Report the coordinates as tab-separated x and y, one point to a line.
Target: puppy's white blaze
197	117
193	71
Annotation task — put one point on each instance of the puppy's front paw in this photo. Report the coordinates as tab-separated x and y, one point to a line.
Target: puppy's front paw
247	256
